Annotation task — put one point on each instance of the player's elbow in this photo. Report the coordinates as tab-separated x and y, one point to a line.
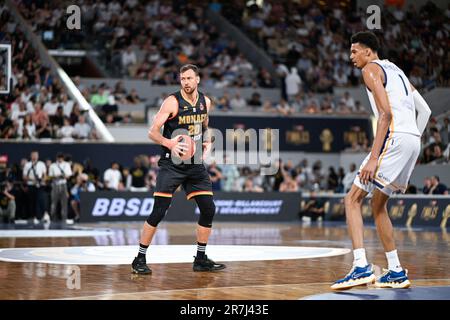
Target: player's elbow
386	116
151	134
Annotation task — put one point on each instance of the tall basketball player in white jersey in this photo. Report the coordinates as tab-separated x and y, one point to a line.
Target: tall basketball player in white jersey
389	165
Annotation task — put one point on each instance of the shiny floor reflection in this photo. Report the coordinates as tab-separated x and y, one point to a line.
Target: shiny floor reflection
425	252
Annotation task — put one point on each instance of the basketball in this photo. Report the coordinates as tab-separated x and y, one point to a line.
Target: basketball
190	147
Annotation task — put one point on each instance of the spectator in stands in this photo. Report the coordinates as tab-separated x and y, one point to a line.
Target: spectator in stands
224	102
18	114
359	108
57	120
349	177
265	79
82	130
411	189
35	175
348	101
279	175
112	177
51	106
66	132
332	179
82	185
437	187
293	84
237	102
28	131
437	154
249	186
67	104
426	185
129	60
75	114
215	175
427	155
314	208
299	103
284	108
312	104
255	100
139	176
45	130
133	97
7	203
327	104
340	78
230	173
59	172
289	183
268	107
39	116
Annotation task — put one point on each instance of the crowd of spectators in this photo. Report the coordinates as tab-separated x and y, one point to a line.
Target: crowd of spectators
300	103
435	141
113	104
314	38
37	106
149	40
49	189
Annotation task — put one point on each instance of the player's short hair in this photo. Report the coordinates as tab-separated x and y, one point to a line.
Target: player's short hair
192	67
366	38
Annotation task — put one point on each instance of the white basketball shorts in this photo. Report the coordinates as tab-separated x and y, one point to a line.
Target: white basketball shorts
396	162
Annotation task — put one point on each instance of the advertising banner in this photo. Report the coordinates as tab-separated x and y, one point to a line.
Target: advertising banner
230	206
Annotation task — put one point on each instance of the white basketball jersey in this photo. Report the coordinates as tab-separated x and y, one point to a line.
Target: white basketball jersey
400	99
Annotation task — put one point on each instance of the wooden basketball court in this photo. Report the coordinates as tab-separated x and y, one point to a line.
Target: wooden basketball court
424	252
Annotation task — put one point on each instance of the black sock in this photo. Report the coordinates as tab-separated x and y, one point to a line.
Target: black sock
201	248
142	250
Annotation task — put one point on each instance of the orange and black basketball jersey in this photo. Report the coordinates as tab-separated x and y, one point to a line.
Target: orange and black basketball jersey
189	119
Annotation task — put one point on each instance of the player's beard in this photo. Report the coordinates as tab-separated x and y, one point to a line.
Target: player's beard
190	91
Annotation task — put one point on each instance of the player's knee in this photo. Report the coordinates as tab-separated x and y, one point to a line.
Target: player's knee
207	210
377	205
159	210
353	199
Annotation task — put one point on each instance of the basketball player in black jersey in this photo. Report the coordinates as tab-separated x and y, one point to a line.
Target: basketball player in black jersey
186	109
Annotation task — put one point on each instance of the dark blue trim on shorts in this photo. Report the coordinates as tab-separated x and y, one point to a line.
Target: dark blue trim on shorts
384	142
376	183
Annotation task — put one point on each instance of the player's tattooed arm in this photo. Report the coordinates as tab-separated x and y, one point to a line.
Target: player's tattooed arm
373	78
205	123
208	139
168	109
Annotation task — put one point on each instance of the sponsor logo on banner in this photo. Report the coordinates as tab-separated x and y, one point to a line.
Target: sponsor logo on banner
396	211
269	207
115	207
430	212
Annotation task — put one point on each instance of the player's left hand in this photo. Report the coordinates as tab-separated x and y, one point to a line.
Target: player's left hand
367	173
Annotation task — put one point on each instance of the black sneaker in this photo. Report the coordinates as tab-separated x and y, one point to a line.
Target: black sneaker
206	264
139	266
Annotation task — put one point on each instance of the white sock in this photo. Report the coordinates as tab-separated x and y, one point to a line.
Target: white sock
359	257
393	261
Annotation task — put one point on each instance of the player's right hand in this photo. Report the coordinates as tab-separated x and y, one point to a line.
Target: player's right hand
177	146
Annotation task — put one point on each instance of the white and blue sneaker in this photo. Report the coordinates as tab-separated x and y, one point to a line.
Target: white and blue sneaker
392	279
356	277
